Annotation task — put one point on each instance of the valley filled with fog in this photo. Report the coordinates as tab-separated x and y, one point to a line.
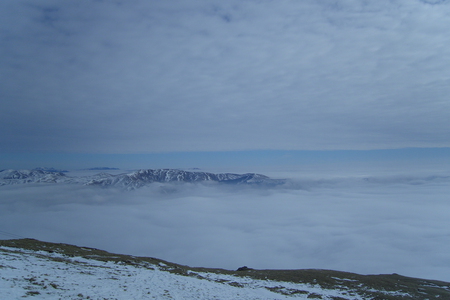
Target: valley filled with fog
368	223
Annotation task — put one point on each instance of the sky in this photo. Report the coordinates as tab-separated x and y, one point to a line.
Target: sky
146	77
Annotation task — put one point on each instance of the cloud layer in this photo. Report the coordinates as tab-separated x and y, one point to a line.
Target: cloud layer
140	76
377	225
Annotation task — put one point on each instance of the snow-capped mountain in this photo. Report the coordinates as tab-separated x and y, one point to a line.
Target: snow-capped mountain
30	176
143	177
135	179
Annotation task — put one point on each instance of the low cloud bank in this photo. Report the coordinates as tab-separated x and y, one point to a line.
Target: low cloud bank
376	225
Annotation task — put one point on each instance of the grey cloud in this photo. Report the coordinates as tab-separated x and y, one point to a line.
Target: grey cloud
145	76
434	1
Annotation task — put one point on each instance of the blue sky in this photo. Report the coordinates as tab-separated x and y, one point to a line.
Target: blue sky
139	77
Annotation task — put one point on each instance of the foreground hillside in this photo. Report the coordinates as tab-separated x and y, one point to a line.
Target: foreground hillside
40	270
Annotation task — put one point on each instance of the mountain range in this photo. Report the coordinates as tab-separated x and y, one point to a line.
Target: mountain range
134	179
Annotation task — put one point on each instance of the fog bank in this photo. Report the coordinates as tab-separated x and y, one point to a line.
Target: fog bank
382	224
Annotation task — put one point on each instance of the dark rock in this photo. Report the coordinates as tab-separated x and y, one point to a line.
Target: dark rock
244	268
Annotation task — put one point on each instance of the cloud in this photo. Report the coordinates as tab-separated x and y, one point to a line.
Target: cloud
434	1
392	224
139	76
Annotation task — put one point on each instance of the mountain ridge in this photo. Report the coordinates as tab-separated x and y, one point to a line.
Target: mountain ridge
136	179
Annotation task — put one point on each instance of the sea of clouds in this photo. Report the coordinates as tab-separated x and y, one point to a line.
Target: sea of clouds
359	223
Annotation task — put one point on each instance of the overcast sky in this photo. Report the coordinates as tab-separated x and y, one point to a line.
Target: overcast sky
144	76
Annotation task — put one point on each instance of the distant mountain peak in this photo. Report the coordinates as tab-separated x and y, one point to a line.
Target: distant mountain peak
30	176
50	169
102	169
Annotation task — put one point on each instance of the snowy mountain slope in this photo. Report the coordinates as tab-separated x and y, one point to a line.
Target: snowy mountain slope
132	180
40	270
31	176
143	177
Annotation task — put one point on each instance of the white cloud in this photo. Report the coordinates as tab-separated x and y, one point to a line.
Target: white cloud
383	225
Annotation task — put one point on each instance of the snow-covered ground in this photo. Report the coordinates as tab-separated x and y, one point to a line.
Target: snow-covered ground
44	275
43	270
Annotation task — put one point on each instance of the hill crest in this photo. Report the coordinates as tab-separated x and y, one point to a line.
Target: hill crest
31	267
